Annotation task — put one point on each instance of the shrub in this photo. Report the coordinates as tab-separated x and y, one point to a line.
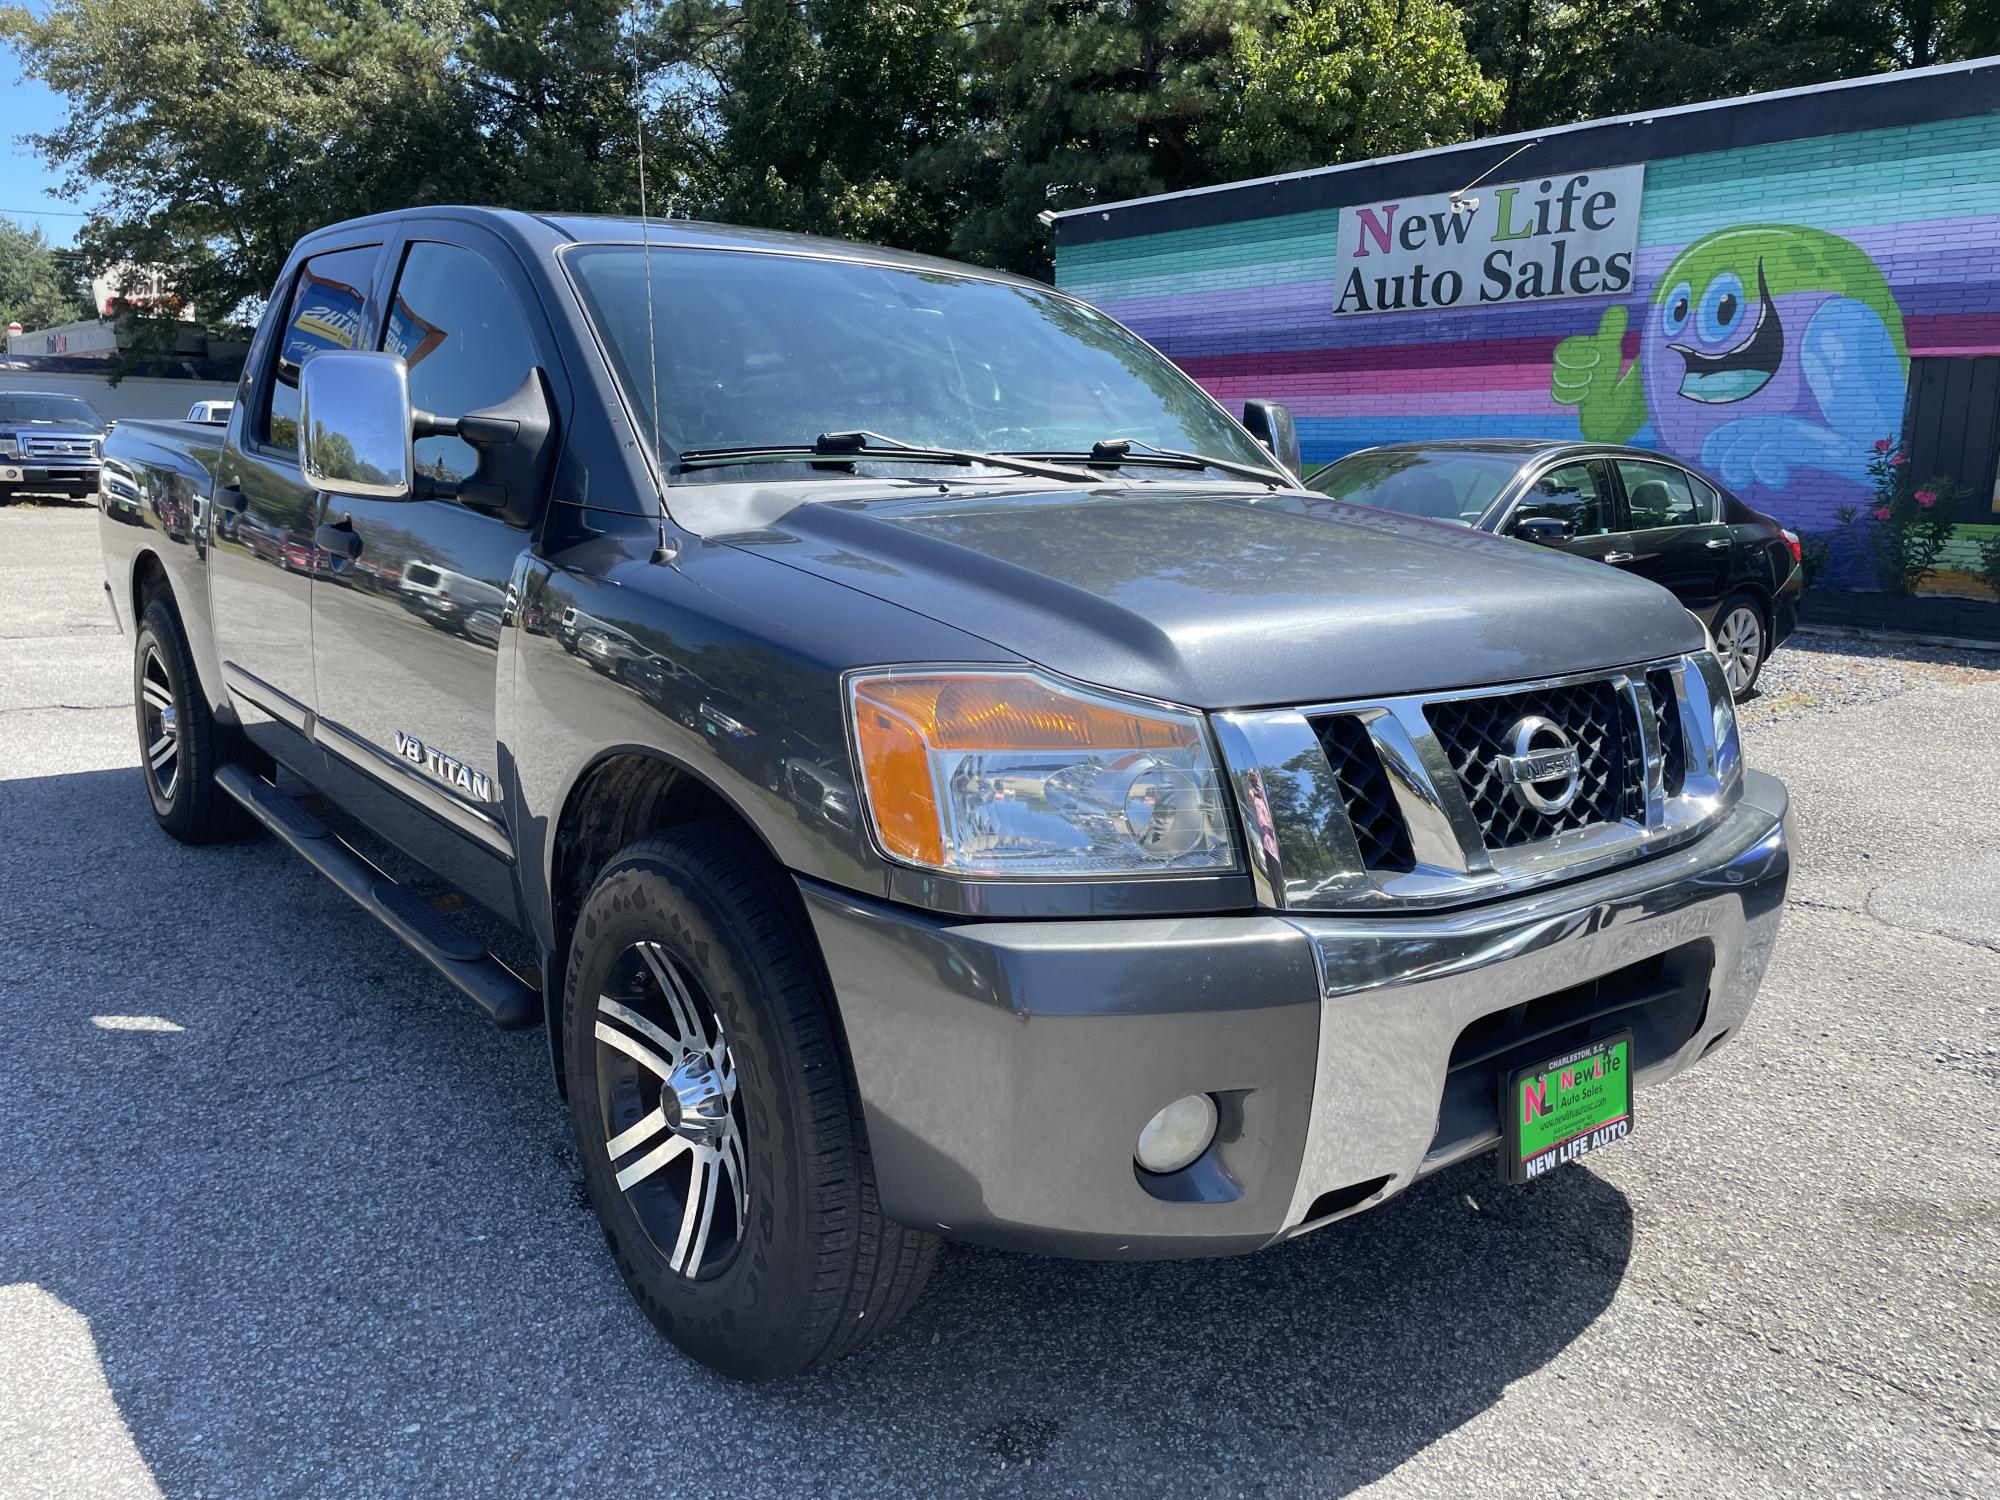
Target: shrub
1904	533
1989	560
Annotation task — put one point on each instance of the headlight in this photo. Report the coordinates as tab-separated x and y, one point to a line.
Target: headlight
997	773
10	447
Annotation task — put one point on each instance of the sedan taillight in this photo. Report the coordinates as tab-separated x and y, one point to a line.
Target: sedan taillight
1798	548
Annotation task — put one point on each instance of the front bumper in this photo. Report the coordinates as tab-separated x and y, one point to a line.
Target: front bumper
1006	1068
44	477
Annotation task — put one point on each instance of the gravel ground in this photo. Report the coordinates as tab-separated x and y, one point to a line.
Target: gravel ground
279	1216
1814	673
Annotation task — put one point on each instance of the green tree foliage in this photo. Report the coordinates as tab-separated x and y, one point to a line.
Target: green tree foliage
212	135
1072	102
1340	80
39	287
826	104
553	85
1563	60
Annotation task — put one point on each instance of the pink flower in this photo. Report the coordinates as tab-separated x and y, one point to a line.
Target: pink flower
1899	459
1883	445
1926	498
1881	512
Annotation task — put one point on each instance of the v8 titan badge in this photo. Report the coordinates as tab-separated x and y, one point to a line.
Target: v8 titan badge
1567	1107
452	771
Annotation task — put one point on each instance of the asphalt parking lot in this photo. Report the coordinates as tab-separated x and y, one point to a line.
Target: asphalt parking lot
280	1216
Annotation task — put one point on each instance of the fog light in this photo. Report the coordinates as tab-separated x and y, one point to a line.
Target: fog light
1177	1134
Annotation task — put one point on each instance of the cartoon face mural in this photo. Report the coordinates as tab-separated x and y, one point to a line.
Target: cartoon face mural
1768	350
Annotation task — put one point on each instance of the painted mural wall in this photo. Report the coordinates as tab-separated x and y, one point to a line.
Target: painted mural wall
1778	295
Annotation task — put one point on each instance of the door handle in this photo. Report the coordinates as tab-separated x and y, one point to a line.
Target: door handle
1618	557
229	498
339	538
1716	543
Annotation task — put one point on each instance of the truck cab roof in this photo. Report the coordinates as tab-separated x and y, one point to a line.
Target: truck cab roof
551	231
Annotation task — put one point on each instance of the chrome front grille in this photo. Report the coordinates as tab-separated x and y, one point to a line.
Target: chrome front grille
58	447
1473	735
1660	701
1365	792
1439	799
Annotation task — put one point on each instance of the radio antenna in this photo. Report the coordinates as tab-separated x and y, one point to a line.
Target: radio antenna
662	553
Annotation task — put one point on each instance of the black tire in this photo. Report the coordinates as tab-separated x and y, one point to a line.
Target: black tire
188	804
1739	669
810	1269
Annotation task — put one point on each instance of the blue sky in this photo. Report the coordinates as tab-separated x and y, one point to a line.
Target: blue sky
26	186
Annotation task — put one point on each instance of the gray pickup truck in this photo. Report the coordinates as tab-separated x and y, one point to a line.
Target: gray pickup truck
956	780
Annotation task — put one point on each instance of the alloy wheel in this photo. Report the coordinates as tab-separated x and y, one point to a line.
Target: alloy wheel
670	1111
1740	643
161	733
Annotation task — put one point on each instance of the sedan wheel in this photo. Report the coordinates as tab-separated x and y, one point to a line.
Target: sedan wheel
1739	641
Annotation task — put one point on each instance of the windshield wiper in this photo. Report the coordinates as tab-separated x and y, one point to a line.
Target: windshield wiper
1116	452
835	447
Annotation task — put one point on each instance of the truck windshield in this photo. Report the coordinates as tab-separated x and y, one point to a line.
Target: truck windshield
48	411
759	350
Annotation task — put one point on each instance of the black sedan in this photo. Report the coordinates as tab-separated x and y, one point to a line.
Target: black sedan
1735	567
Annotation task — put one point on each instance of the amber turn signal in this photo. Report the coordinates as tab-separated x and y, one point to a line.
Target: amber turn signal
994	772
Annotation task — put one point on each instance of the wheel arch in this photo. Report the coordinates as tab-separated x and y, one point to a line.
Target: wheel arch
1758	591
155	573
149	581
622	794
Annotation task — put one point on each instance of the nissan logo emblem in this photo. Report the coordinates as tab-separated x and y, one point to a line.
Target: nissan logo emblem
1544	771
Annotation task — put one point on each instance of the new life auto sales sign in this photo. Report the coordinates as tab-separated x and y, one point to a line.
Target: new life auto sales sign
1569	235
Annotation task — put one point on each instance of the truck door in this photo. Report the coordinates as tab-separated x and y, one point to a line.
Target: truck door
406	631
262	559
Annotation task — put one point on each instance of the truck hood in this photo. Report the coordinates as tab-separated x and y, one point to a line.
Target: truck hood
1230	598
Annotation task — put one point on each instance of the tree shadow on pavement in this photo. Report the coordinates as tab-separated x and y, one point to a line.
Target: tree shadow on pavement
329	1238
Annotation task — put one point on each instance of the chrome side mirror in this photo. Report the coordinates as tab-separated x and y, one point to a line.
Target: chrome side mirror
1270	423
356	435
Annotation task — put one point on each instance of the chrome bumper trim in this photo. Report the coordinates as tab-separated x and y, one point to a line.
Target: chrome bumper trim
1397	992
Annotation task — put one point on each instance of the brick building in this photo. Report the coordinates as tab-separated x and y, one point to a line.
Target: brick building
1785	280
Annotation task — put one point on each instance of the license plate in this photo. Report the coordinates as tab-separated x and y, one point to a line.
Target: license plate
1567	1107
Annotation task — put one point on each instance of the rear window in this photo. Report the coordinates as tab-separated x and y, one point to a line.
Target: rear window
417	573
1440	484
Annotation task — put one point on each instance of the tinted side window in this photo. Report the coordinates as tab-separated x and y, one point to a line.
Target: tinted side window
1578	493
1707	502
1657	495
467	345
324	313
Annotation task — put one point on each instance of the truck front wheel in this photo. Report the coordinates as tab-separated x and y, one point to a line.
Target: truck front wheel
720	1136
